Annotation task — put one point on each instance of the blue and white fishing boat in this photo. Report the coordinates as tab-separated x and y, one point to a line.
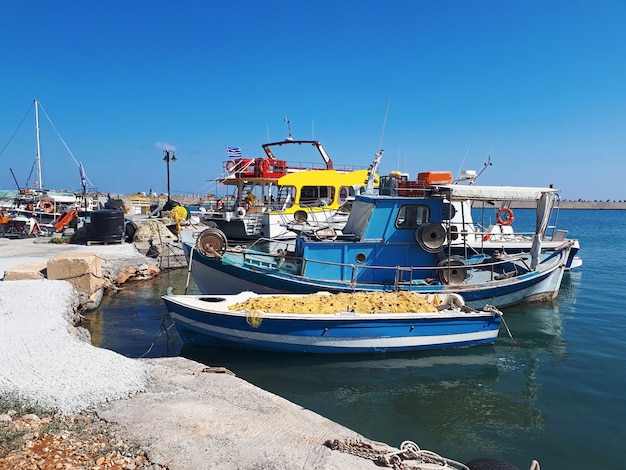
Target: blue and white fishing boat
391	242
232	321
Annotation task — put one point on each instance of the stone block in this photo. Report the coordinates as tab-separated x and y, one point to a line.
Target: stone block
82	270
25	271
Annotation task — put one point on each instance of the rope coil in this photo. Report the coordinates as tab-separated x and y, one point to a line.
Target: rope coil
409	457
254	317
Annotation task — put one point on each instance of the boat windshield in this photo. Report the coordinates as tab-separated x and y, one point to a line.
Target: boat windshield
283	198
317	195
411	216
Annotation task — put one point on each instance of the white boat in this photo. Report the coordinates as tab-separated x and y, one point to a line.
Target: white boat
49	207
501	236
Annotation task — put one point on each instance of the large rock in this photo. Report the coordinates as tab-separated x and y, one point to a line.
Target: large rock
82	270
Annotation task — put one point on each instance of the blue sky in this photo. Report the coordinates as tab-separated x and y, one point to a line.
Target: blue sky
539	86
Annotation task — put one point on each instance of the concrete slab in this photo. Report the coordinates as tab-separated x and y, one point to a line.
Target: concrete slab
187	418
26	271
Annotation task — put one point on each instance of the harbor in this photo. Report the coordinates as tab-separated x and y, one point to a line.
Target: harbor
444	264
525	378
382	274
281	235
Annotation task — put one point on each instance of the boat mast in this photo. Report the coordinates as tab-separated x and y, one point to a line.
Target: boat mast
39	183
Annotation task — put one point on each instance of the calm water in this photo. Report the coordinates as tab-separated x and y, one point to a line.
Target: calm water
556	394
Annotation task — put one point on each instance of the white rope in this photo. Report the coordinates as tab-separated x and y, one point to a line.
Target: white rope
411	457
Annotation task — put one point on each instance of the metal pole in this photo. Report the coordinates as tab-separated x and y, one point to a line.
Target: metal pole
167	162
39	180
169	197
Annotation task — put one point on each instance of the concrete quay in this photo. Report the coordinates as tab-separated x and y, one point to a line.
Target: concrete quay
183	414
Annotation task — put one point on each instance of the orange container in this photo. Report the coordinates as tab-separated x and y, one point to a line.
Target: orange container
435	177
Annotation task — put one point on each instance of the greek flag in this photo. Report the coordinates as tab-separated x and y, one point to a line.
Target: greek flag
233	151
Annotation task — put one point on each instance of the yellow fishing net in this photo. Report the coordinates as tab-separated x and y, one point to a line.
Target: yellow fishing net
359	302
178	214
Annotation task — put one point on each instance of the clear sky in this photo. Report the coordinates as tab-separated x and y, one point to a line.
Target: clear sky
539	86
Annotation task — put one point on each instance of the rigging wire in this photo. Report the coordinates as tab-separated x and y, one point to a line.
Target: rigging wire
15	132
458	173
63	141
382	132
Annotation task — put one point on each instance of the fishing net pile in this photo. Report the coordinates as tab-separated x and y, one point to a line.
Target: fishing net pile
358	302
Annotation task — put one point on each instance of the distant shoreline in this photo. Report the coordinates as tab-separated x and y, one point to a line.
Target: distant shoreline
596	205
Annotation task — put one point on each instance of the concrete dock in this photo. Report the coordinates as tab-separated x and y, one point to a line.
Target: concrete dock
185	415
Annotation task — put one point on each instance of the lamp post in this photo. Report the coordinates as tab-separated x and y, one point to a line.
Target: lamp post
169	157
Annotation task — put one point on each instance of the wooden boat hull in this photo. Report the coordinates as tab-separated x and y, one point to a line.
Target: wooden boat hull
206	320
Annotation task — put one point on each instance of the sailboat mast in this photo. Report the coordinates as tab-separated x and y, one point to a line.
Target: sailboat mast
39	183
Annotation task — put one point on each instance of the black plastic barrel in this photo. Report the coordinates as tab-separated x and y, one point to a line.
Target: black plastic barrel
107	225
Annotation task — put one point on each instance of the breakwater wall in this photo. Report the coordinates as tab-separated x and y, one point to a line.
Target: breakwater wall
599	205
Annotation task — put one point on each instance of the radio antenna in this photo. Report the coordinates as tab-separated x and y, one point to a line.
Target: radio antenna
288	129
373	169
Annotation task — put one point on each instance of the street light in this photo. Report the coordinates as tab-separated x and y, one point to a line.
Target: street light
169	156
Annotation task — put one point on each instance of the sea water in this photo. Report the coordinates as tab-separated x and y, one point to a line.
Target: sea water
556	392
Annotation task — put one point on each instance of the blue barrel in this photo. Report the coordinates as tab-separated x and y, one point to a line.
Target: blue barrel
107	225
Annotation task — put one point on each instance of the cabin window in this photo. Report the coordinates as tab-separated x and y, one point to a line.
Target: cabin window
317	195
284	198
412	216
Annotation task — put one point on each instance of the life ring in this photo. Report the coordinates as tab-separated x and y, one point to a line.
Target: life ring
265	166
246	204
47	206
508	217
230	166
343	194
219	205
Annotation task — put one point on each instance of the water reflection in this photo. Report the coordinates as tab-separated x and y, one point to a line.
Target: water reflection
134	321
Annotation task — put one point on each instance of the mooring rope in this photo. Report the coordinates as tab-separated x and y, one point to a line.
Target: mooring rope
408	457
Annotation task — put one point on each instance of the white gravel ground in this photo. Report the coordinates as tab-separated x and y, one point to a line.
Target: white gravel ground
41	361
